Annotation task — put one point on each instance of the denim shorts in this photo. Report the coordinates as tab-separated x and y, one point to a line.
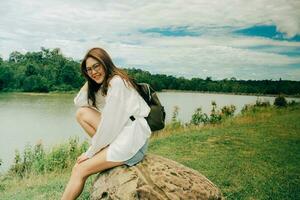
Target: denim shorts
138	156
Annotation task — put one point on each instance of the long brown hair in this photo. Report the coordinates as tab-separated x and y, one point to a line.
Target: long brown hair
110	70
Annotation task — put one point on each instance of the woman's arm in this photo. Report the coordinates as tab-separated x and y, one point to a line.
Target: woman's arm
114	116
81	98
84	87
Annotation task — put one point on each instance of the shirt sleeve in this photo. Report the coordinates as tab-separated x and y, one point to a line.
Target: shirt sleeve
81	98
114	116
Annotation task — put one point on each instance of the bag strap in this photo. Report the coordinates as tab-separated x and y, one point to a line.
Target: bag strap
148	90
146	95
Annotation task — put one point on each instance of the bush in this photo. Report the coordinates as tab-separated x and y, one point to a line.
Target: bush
39	158
228	111
247	107
254	107
18	166
198	117
57	159
36	160
292	103
175	122
280	101
215	115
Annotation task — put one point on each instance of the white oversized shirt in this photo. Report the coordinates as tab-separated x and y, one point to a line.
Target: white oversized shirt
116	130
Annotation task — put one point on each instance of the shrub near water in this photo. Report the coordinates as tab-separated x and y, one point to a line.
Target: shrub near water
216	115
199	117
175	122
36	160
280	101
255	107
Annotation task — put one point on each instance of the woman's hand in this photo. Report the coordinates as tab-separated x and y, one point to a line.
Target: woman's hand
81	158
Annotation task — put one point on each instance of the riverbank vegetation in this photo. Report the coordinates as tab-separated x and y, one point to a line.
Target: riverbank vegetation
254	155
49	70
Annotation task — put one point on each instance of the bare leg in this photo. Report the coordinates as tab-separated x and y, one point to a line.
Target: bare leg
82	171
89	119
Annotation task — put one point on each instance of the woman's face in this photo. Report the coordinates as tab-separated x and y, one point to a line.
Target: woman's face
95	70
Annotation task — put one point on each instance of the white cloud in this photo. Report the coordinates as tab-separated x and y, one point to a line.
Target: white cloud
75	26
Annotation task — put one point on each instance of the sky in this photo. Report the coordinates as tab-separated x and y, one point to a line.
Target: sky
248	40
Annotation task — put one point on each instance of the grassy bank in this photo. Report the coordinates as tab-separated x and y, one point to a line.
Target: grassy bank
252	156
255	156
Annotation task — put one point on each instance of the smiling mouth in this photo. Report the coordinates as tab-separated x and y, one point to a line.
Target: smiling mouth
96	76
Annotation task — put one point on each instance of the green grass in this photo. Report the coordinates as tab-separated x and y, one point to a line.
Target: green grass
253	156
40	187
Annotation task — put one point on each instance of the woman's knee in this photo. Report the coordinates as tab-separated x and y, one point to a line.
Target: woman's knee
88	114
79	171
81	113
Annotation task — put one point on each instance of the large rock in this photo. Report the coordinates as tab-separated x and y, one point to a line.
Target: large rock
153	178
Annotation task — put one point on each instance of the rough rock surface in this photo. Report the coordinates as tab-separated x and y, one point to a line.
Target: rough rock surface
153	178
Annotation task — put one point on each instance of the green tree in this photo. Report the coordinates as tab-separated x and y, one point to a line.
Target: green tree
15	57
6	77
31	70
35	83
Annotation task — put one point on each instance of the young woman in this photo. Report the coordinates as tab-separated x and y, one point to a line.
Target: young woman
107	102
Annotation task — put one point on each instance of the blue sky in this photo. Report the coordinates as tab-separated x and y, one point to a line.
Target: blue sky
222	39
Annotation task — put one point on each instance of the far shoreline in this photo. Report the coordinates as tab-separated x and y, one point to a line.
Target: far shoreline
164	90
230	93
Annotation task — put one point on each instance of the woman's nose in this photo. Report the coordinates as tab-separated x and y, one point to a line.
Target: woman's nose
93	71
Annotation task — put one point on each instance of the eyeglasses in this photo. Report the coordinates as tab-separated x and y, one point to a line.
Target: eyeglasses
96	67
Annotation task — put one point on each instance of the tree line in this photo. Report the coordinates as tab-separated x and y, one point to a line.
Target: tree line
49	70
